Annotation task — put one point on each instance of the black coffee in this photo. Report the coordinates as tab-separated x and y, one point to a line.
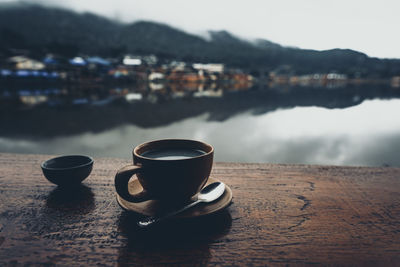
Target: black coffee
173	154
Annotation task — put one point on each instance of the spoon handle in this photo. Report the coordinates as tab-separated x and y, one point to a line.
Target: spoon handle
151	220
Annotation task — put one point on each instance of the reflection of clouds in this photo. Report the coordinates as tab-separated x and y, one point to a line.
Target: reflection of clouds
314	121
380	151
367	134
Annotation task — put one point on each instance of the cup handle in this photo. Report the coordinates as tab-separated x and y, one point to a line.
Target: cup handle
121	184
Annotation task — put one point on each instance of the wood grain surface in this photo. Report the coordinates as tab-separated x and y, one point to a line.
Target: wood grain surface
280	215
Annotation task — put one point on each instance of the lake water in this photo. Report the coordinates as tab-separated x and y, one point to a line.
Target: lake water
342	126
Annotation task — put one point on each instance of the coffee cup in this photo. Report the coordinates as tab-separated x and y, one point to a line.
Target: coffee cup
168	170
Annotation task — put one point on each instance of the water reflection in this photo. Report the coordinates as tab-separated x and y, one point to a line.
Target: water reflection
154	109
367	134
344	126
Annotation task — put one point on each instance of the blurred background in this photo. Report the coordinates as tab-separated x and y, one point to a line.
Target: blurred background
315	82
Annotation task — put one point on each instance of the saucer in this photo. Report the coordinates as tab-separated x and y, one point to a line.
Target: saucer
154	207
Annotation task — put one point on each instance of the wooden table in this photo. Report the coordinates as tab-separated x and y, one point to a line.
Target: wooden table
280	214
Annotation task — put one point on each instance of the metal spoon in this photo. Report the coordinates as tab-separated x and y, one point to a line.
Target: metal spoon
208	194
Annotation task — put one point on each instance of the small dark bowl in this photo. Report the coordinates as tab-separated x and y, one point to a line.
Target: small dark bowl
67	170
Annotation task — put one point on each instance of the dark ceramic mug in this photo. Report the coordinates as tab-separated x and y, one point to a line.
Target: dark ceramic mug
164	178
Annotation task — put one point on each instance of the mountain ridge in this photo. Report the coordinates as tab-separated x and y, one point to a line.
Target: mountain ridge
44	30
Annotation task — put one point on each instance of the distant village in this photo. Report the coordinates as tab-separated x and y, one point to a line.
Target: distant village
147	73
139	69
129	69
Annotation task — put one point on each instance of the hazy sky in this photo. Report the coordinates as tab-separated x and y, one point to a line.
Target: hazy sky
369	26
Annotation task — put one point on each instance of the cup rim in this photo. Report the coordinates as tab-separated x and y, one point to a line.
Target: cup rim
136	154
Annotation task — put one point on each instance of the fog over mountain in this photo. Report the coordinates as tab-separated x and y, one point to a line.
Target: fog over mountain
42	30
366	26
